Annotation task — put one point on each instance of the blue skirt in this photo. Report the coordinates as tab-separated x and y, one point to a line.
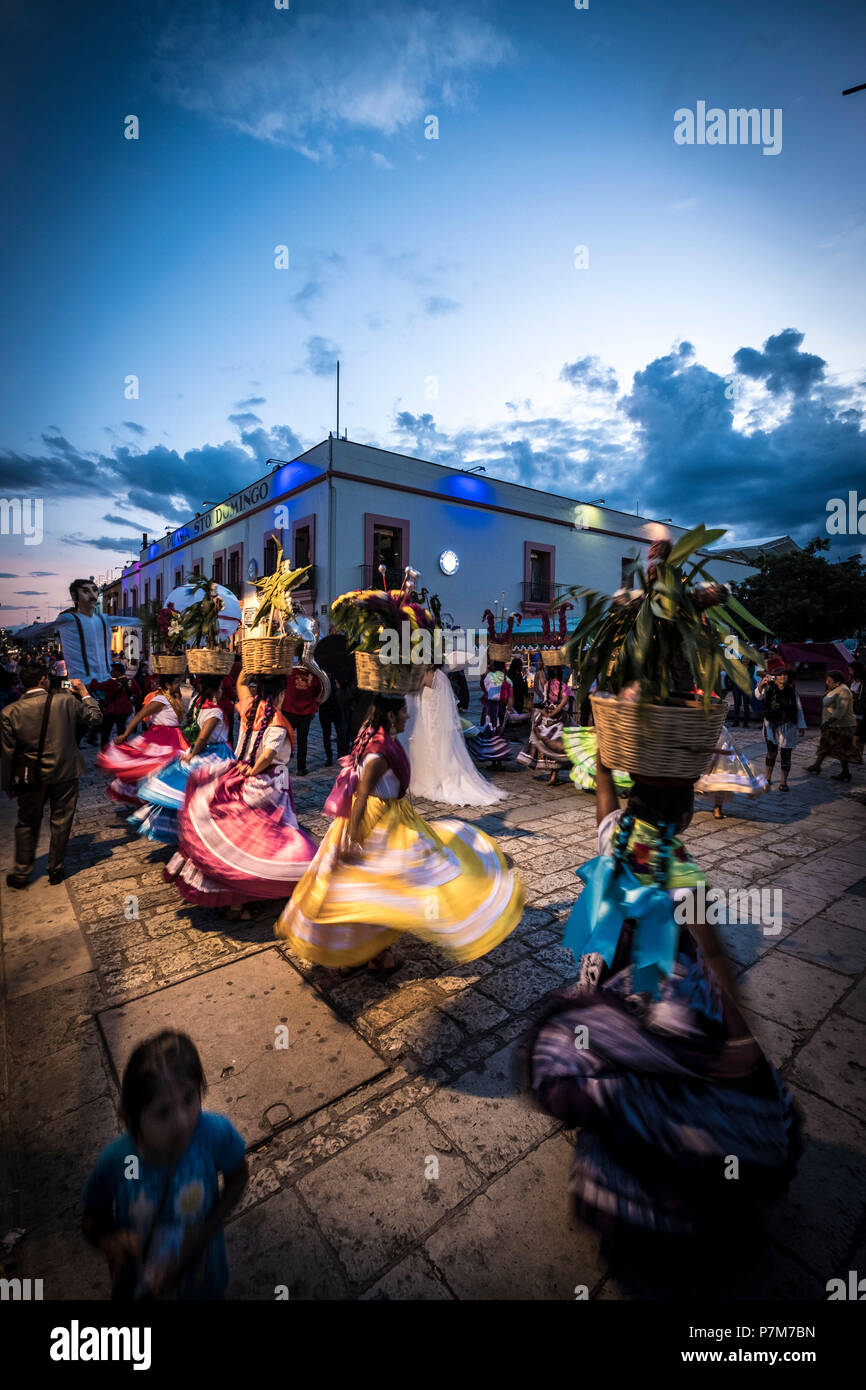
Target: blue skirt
162	794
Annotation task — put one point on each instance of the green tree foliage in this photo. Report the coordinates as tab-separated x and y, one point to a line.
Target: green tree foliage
802	595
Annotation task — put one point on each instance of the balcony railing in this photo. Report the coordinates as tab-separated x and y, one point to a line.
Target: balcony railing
372	579
541	592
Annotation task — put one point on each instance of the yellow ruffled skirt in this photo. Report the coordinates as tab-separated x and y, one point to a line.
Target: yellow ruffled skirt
444	881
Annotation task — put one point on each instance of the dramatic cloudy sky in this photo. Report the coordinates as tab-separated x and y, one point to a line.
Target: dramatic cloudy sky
707	363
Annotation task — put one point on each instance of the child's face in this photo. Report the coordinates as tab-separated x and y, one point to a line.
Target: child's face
167	1124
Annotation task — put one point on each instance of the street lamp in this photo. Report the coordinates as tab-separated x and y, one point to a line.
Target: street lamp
479	468
596	502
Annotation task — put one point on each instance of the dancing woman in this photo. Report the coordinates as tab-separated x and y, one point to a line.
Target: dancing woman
442	769
382	871
651	1057
487	743
546	749
162	794
132	757
238	833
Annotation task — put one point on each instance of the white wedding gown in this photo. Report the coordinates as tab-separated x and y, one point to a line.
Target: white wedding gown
442	769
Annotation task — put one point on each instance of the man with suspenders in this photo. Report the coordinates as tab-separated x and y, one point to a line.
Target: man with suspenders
85	637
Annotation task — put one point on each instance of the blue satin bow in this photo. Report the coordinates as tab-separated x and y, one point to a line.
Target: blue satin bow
611	894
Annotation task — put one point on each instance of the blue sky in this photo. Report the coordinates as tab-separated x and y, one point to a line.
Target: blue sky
442	271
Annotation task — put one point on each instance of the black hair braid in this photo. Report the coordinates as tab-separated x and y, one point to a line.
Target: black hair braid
248	727
269	714
377	718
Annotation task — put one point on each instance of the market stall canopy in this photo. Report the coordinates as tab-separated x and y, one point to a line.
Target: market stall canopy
816	654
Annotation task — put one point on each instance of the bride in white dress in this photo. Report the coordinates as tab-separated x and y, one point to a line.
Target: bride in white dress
442	769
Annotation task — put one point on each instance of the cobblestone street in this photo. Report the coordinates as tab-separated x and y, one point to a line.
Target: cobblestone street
394	1150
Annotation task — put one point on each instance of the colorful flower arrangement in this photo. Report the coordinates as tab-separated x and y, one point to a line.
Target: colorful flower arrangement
169	634
365	615
671	636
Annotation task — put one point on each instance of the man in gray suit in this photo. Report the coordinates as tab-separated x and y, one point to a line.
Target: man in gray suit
54	777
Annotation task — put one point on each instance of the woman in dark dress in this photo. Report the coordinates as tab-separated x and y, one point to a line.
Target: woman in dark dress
518	685
650	1056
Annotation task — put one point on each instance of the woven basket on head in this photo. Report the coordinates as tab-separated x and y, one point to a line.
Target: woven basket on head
268	656
499	651
169	665
209	661
656	740
555	657
387	678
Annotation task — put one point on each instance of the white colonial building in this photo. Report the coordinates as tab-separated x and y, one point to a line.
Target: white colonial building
345	508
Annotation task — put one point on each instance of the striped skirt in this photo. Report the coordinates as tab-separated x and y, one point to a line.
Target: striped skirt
663	1097
729	772
128	764
444	881
581	745
488	745
239	838
162	794
546	738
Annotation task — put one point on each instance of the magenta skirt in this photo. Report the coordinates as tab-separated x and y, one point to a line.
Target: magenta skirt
239	838
146	753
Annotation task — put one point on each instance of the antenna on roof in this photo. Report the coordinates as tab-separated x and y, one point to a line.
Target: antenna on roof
338	398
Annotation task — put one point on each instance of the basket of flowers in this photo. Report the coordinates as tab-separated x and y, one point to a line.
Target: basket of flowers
169	654
555	650
266	651
373	622
201	627
654	656
500	644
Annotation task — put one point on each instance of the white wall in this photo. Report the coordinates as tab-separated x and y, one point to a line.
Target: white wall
489	544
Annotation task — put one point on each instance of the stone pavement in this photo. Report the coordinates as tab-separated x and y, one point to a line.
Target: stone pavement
394	1150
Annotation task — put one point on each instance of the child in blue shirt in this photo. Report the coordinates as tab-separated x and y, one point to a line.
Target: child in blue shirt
153	1204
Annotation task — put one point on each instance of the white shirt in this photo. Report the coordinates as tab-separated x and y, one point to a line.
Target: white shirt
274	738
161	713
96	632
388	786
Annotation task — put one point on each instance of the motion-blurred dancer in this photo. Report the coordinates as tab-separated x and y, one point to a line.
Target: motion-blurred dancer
132	757
650	1057
381	870
238	833
162	794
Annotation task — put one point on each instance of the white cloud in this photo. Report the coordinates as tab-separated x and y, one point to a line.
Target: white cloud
308	80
